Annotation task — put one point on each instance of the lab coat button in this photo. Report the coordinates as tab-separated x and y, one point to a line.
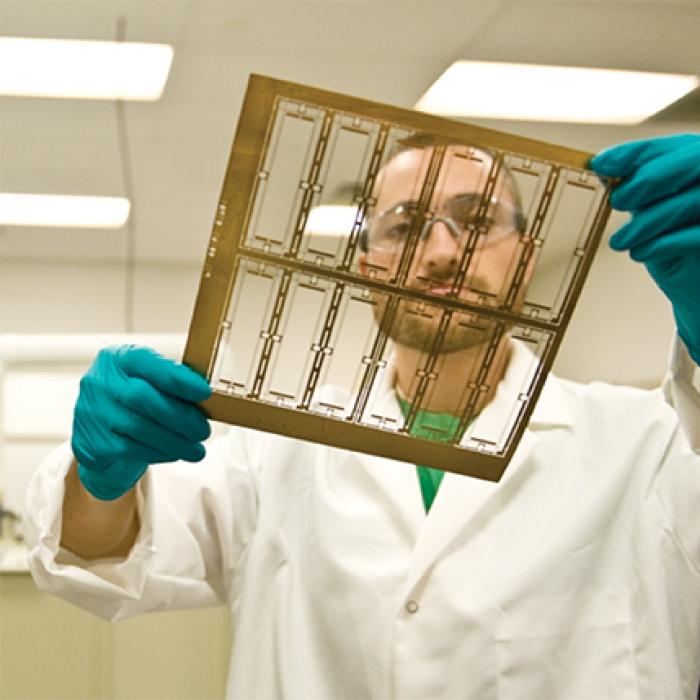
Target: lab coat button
412	606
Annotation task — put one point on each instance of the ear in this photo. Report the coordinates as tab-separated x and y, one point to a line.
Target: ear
362	264
529	271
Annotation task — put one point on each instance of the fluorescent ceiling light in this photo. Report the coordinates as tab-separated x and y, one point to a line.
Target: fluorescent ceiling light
331	220
63	210
105	70
552	93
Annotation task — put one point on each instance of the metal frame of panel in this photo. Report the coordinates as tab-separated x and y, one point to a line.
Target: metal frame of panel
227	253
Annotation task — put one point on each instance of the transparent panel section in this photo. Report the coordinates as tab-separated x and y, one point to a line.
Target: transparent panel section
393	223
243	332
455	225
296	340
467	220
283	177
493	428
467	355
453	354
453	383
529	180
348	354
473	378
561	241
337	210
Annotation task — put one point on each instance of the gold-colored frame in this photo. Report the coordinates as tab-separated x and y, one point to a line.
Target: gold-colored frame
227	254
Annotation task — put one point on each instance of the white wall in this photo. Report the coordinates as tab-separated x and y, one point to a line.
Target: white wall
622	328
39	383
620	331
59	296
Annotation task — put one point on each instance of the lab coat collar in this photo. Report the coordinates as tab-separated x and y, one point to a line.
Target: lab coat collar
461	499
551	409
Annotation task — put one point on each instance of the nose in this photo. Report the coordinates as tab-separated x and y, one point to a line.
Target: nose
440	252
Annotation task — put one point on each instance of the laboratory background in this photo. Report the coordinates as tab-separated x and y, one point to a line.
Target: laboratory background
144	161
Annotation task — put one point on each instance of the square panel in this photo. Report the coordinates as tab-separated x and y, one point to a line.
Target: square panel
388	281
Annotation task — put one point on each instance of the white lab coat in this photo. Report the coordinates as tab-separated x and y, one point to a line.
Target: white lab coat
576	577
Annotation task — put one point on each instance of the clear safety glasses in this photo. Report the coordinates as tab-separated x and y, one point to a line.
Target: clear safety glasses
296	325
390	230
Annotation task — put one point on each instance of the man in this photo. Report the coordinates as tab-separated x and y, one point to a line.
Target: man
435	266
577	576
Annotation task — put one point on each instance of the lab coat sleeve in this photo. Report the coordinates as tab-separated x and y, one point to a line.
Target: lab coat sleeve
682	391
677	482
195	524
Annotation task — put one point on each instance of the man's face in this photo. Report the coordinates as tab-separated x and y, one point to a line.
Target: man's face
435	265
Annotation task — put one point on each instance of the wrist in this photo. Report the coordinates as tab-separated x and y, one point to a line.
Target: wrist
689	333
93	528
103	485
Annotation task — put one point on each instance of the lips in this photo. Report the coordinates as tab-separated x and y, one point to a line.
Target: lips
439	290
438	286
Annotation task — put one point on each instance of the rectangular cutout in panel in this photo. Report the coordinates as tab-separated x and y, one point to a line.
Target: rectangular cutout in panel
351	344
283	177
562	242
307	342
296	342
242	332
530	178
336	210
492	429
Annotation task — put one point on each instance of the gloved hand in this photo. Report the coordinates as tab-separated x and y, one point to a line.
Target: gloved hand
661	188
135	408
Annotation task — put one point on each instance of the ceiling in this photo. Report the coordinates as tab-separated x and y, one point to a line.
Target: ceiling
387	51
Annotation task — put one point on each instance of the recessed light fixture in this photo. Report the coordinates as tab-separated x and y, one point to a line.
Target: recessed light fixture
331	220
63	211
105	70
521	91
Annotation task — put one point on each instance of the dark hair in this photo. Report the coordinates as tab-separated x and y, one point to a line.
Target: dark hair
421	140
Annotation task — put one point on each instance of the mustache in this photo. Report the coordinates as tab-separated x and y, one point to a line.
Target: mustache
425	284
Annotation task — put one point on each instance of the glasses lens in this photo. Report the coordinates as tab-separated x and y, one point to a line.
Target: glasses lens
496	221
390	230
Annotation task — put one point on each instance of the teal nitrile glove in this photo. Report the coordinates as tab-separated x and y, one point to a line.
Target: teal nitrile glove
135	408
660	187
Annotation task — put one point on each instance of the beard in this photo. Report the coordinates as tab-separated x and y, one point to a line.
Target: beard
416	326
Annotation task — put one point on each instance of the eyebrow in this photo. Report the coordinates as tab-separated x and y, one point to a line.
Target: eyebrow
466	197
461	197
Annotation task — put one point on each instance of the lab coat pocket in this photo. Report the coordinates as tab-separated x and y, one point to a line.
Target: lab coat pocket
575	647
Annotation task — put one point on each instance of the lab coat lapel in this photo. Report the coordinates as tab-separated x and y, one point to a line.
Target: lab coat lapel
397	480
460	499
458	503
400	493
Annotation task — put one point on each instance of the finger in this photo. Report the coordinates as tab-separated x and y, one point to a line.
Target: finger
673	245
108	487
182	417
171	377
129	451
621	160
134	452
658	178
93	447
667	215
146	432
117	447
662	269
